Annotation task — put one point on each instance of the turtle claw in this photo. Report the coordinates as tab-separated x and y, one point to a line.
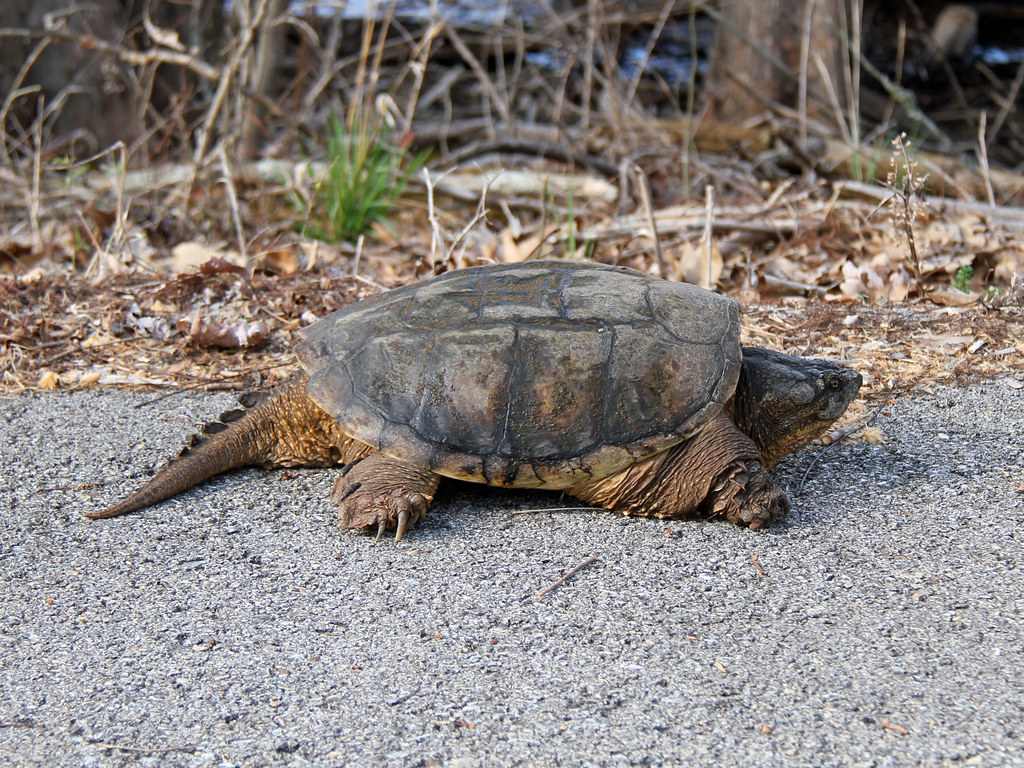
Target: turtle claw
337	498
403	521
364	510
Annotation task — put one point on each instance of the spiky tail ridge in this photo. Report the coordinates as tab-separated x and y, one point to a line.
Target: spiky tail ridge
239	438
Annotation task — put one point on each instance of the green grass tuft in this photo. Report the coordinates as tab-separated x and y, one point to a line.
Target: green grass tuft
962	279
366	176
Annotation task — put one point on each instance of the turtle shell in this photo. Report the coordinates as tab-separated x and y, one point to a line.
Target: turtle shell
534	375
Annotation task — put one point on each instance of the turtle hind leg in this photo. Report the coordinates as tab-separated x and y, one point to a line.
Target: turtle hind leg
380	493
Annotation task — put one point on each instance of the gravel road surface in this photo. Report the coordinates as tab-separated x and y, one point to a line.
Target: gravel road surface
881	625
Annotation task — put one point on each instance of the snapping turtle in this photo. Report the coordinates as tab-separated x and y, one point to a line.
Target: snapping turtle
621	389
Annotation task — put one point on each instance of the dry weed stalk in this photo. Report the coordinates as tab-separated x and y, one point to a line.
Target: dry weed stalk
1007	103
229	77
489	88
229	185
905	203
708	236
986	174
437	240
644	190
652	40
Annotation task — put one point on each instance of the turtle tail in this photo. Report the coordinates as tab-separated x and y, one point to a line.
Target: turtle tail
240	437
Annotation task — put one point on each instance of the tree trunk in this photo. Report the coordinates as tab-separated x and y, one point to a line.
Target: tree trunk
779	52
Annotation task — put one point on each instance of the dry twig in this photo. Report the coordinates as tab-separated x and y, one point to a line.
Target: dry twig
565	577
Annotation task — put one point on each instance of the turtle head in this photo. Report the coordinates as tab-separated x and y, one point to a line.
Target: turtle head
783	402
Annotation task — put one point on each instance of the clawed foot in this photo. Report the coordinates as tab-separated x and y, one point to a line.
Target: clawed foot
380	492
396	508
749	497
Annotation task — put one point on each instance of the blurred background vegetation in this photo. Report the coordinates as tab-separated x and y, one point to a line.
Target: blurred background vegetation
303	154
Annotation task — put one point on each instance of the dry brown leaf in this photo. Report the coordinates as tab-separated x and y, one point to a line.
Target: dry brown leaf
1009	263
22	250
284	261
946	262
48	380
950	297
789	269
97	339
943	232
315	253
513	252
219	266
691	260
131	249
945	343
861	281
191	255
899	285
162	308
225	336
383	233
865	281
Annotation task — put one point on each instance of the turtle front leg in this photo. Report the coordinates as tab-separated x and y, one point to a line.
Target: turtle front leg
745	494
382	493
718	473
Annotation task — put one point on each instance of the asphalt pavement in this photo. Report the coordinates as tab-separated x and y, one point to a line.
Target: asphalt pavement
882	624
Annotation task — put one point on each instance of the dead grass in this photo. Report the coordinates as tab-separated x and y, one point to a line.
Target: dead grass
132	329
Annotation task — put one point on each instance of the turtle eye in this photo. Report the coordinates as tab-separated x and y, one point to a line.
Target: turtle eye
834	383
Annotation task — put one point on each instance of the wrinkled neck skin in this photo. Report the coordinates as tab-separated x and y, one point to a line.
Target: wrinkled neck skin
784	402
770	429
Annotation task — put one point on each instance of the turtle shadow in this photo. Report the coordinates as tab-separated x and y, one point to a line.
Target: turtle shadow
463	508
851	481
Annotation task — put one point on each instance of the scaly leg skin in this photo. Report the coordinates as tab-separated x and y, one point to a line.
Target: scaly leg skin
716	473
382	493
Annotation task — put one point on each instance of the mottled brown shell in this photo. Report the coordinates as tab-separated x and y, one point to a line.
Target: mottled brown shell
534	375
